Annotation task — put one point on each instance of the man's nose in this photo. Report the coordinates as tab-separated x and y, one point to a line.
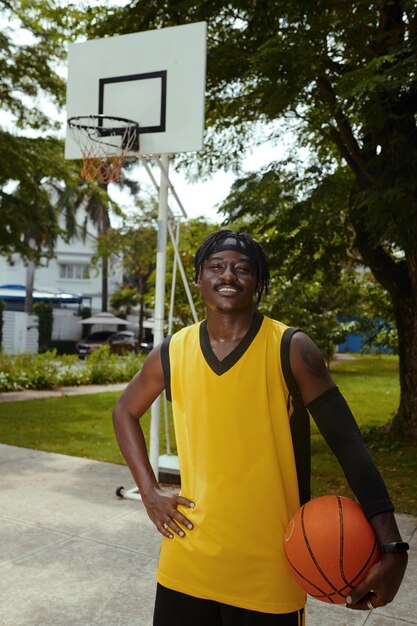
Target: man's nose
229	273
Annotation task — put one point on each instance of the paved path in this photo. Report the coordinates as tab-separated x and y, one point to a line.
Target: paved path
33	394
73	554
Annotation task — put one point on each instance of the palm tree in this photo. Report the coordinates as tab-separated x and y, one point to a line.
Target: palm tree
97	205
97	211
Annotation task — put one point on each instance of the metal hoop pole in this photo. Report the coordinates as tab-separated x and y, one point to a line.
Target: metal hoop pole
155	184
171	186
159	316
174	280
170	320
176	252
183	276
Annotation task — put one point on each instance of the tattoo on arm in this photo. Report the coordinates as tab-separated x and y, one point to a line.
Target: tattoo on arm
314	362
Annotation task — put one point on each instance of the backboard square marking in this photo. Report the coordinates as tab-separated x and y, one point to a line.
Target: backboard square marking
107	103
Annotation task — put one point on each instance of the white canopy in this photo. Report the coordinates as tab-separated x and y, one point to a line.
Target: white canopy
106	319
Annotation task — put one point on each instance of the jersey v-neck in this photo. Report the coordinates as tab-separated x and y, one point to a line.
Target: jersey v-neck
220	367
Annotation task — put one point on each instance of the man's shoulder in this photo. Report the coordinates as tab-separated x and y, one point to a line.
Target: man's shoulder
187	331
275	325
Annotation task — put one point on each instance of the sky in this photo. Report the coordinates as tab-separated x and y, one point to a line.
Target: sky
198	199
202	198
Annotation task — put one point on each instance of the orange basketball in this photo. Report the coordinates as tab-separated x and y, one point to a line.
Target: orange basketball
330	546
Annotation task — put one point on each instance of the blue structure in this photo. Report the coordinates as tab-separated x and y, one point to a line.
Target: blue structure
14	296
360	341
352	343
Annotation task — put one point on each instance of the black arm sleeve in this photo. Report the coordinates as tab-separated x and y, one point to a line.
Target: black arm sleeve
336	423
166	366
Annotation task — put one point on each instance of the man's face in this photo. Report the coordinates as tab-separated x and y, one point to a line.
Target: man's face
227	281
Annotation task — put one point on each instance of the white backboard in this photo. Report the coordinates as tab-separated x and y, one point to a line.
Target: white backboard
156	78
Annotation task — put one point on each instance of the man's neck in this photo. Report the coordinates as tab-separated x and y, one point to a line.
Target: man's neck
229	328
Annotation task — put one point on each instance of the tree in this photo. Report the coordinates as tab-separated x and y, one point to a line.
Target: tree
31	47
97	210
123	300
44	311
320	309
327	300
29	211
192	233
36	183
342	75
135	242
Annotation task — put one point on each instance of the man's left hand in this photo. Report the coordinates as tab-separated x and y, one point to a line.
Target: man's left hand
381	584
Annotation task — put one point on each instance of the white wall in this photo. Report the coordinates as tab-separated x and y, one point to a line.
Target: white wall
48	276
20	333
66	325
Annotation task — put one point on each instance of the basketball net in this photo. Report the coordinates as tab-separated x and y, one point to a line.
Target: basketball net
104	142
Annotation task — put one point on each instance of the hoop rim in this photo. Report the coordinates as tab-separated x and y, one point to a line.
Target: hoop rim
74	120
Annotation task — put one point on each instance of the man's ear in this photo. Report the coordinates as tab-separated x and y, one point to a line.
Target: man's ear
198	281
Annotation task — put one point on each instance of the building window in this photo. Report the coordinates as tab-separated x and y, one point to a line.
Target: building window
74	271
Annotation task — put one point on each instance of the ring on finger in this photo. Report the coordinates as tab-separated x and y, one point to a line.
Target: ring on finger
370	605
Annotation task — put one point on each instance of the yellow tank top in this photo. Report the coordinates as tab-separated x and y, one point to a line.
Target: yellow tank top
237	464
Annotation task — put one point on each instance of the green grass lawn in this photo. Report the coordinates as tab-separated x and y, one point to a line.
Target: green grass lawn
74	425
370	385
82	426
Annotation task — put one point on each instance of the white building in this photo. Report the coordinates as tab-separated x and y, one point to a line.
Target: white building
70	272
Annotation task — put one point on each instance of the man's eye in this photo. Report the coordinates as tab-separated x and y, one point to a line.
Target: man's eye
215	267
243	270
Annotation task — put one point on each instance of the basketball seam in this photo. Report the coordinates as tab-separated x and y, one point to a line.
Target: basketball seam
365	565
342	545
316	563
308	581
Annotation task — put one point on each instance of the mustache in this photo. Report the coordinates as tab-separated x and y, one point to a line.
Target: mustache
235	285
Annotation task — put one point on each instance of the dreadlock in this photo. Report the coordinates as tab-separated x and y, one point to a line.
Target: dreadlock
249	247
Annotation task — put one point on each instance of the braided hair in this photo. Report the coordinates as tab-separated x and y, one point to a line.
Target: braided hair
246	244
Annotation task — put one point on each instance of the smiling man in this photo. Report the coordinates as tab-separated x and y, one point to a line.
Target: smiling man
222	560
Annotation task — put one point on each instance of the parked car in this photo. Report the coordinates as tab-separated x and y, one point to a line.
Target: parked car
123	341
146	346
119	342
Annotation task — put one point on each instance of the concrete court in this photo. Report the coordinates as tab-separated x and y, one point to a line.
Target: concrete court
72	553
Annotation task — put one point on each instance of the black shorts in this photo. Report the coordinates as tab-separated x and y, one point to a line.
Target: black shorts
173	608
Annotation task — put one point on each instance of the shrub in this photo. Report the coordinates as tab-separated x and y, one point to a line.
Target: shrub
47	370
105	367
45	316
71	371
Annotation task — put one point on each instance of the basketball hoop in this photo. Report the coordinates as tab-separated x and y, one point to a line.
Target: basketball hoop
104	142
